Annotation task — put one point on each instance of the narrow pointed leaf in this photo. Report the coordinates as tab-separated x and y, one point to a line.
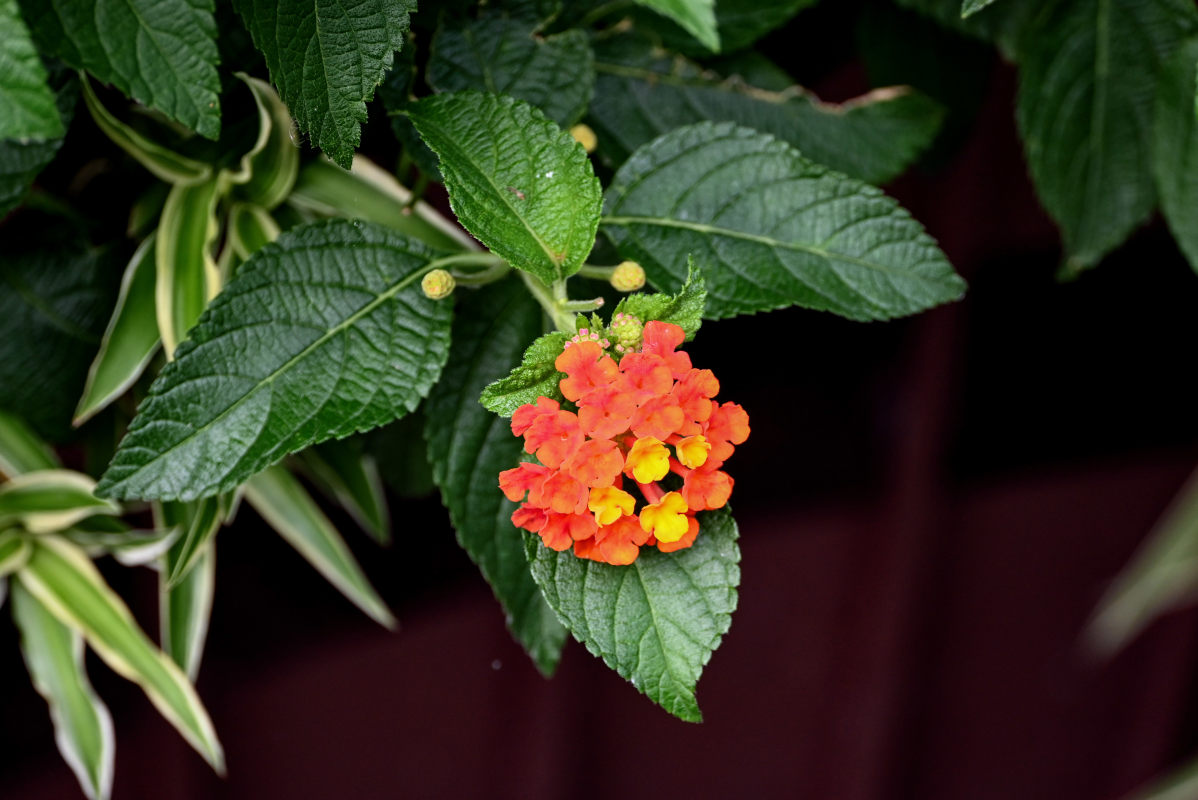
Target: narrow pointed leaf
68	585
273	162
697	17
1181	784
516	181
130	340
184	610
739	23
50	500
161	53
350	476
14	551
82	725
657	621
130	548
321	334
186	273
27	110
468	448
971	7
1085	112
198	523
22	450
250	229
770	229
289	509
500	54
1175	150
327	58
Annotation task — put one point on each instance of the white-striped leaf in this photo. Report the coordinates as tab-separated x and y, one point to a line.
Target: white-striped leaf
50	500
350	476
14	552
22	450
187	276
184	611
197	522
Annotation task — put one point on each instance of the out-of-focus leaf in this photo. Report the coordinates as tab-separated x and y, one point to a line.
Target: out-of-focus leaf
20	162
22	450
198	522
288	508
27	110
971	7
50	500
359	345
82	725
697	17
250	229
186	273
273	162
1175	148
14	552
350	476
130	340
60	576
184	610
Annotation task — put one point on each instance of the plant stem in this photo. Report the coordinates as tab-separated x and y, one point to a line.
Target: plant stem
551	300
489	274
596	273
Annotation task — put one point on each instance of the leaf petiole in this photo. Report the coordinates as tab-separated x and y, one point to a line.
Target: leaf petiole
552	300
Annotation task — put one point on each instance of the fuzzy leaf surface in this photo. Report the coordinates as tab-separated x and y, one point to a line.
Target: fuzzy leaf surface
536	376
27	110
321	334
770	229
684	309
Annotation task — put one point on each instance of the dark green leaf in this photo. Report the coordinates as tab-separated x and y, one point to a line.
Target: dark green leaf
496	53
350	476
1085	111
697	17
1175	151
20	162
273	162
159	52
516	181
536	376
1004	25
27	110
656	621
769	229
469	447
740	23
971	7
22	450
321	334
641	94
684	309
326	59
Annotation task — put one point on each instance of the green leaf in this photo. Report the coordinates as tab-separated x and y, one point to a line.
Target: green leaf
1180	784
130	548
55	297
187	276
971	7
14	552
496	53
20	162
1161	575
161	161
536	376
350	476
697	17
250	229
1175	150
1085	112
198	523
68	585
273	162
184	610
739	22
770	229
50	500
657	621
516	181
130	341
321	334
469	447
82	725
326	59
288	508
370	193
27	110
642	93
22	450
161	53
684	309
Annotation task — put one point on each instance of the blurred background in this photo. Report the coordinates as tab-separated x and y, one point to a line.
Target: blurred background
930	511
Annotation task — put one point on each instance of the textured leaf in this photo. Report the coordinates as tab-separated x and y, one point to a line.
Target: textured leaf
1175	151
184	611
516	181
469	447
326	59
21	162
656	621
50	500
971	7
322	334
82	725
739	22
499	54
641	94
286	506
697	17
27	110
130	341
68	585
55	296
769	229
21	450
535	376
159	52
350	477
684	309
186	273
1085	112
273	162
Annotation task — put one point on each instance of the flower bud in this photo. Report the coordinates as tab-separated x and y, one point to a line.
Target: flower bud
585	137
437	284
626	330
628	276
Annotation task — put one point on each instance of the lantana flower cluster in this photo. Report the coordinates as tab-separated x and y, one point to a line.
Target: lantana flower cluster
596	483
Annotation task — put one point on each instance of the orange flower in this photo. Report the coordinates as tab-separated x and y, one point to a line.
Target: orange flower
631	409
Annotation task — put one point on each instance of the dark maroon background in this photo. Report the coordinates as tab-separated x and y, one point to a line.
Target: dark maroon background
929	511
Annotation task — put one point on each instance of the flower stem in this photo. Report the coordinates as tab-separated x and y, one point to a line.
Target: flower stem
551	300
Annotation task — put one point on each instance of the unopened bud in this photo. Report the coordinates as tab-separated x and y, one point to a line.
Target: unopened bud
585	137
626	330
628	276
437	284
